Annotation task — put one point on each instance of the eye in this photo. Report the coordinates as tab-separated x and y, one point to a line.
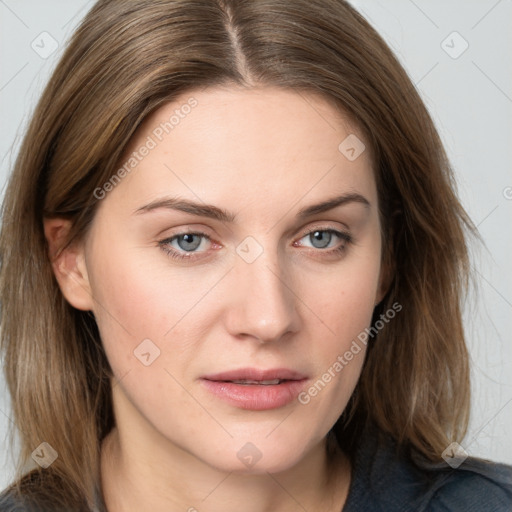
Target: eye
320	238
184	245
188	241
327	240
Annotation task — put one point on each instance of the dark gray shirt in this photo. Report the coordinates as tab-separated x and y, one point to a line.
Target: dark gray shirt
384	481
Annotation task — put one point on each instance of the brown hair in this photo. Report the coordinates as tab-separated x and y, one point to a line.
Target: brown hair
124	61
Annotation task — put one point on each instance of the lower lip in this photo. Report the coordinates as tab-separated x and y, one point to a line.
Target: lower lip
256	397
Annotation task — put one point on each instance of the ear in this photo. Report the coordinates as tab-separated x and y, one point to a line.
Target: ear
68	264
387	272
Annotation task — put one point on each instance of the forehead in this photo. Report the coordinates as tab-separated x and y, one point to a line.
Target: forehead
269	146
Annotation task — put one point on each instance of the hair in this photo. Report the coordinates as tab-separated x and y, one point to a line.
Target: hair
125	60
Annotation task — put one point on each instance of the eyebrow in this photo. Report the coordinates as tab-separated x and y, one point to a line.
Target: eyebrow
213	212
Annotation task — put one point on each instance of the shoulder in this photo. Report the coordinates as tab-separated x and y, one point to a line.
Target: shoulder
9	502
41	493
12	502
387	479
475	485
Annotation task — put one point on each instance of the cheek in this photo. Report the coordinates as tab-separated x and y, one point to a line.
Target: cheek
138	299
343	300
339	355
148	322
342	305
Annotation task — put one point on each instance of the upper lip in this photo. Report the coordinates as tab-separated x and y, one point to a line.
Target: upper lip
256	374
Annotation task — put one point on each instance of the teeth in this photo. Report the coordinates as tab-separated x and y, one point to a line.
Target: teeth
264	382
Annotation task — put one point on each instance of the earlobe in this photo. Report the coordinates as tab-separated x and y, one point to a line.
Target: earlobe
68	264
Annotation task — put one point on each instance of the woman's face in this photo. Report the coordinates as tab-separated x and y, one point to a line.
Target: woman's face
263	282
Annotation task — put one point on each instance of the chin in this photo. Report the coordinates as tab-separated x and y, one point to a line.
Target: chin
260	467
257	457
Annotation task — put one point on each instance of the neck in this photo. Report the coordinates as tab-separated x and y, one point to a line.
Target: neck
174	480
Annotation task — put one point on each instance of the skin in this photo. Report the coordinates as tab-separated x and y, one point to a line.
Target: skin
262	154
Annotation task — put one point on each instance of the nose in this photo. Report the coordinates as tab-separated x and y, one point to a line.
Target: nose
263	303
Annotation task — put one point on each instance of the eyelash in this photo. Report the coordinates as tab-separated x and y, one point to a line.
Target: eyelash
164	244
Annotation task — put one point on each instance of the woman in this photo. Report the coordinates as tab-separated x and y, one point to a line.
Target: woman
232	271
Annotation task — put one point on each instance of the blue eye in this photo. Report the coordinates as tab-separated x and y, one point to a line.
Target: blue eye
187	243
323	238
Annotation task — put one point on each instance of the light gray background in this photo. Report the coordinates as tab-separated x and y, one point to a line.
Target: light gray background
470	98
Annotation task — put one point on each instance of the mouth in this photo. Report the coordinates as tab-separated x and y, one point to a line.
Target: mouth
254	389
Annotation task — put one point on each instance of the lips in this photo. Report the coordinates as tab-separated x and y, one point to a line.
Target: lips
257	390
